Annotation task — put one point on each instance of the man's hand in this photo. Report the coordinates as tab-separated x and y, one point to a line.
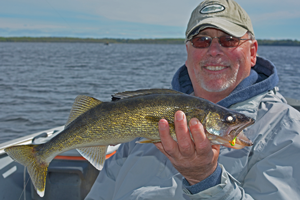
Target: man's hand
195	160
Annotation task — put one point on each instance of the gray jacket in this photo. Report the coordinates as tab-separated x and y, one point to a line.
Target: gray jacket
267	170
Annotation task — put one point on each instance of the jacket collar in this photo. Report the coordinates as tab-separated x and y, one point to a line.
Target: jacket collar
263	77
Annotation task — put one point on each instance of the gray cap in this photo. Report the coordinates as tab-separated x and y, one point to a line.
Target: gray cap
226	15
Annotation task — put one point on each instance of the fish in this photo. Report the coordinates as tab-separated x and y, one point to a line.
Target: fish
93	125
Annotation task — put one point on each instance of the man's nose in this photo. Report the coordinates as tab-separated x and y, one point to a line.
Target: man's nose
215	47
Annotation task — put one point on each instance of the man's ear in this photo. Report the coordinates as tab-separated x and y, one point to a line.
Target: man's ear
253	52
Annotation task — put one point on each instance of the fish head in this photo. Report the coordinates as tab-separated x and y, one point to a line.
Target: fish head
225	127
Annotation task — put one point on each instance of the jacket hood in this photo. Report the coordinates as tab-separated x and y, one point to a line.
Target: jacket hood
263	77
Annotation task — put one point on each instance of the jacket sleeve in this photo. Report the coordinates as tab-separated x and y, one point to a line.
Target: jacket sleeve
273	163
228	189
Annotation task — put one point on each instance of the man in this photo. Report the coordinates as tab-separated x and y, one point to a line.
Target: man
222	67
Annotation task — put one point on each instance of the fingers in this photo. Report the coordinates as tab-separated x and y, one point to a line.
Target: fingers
195	159
168	145
198	134
185	143
184	146
202	143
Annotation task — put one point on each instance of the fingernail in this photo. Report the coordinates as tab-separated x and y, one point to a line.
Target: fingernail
194	122
162	125
179	116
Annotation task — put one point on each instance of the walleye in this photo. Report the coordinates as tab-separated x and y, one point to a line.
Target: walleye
93	125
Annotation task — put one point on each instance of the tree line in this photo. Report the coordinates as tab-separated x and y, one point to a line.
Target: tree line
267	42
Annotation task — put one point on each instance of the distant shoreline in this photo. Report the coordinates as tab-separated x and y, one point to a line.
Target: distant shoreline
264	42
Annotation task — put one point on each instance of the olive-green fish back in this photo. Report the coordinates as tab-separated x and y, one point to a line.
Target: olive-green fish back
143	92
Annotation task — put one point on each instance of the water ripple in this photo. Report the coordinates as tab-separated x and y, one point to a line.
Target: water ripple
39	81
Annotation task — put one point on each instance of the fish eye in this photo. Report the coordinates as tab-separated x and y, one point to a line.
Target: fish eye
230	118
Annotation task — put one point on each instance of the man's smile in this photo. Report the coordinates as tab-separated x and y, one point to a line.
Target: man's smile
214	68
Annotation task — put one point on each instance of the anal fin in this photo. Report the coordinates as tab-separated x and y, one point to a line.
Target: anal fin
95	155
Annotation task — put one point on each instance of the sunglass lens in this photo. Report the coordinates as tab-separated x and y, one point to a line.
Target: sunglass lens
201	42
229	41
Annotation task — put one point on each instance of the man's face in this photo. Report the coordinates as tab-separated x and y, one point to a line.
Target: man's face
218	69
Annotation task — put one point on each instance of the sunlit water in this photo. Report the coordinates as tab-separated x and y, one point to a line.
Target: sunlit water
39	81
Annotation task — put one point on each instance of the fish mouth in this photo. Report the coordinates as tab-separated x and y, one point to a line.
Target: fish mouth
234	137
244	142
236	131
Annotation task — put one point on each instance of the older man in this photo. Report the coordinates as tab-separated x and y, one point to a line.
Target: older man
222	67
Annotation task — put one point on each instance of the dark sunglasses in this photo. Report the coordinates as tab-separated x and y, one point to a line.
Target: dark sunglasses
225	41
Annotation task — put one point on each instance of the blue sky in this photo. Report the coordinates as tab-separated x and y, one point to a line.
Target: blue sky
272	19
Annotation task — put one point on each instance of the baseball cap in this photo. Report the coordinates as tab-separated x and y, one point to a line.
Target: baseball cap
226	15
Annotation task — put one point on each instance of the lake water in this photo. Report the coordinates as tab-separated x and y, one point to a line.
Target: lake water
39	81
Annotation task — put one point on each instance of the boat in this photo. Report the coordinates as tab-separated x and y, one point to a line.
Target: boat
70	176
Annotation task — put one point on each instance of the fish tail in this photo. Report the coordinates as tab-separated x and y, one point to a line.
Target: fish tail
37	168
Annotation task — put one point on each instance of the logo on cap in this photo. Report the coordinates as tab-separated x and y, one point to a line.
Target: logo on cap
212	9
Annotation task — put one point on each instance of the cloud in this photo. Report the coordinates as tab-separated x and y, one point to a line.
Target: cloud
83	18
271	10
275	17
130	18
165	12
85	26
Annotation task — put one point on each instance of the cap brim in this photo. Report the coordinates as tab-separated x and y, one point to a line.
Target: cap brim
219	23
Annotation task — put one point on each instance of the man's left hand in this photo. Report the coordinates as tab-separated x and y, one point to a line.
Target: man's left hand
195	159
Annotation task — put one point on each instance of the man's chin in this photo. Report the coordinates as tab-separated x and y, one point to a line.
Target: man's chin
215	88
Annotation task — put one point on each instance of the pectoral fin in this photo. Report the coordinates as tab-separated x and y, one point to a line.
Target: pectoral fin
153	118
145	141
95	155
156	119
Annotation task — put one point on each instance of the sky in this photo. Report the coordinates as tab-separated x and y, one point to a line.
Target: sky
133	19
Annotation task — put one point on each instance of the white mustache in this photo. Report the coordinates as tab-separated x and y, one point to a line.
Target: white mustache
214	62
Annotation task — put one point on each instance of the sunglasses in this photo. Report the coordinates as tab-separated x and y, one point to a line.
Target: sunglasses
224	41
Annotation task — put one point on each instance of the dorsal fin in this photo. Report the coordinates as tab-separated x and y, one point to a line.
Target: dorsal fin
128	94
81	105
